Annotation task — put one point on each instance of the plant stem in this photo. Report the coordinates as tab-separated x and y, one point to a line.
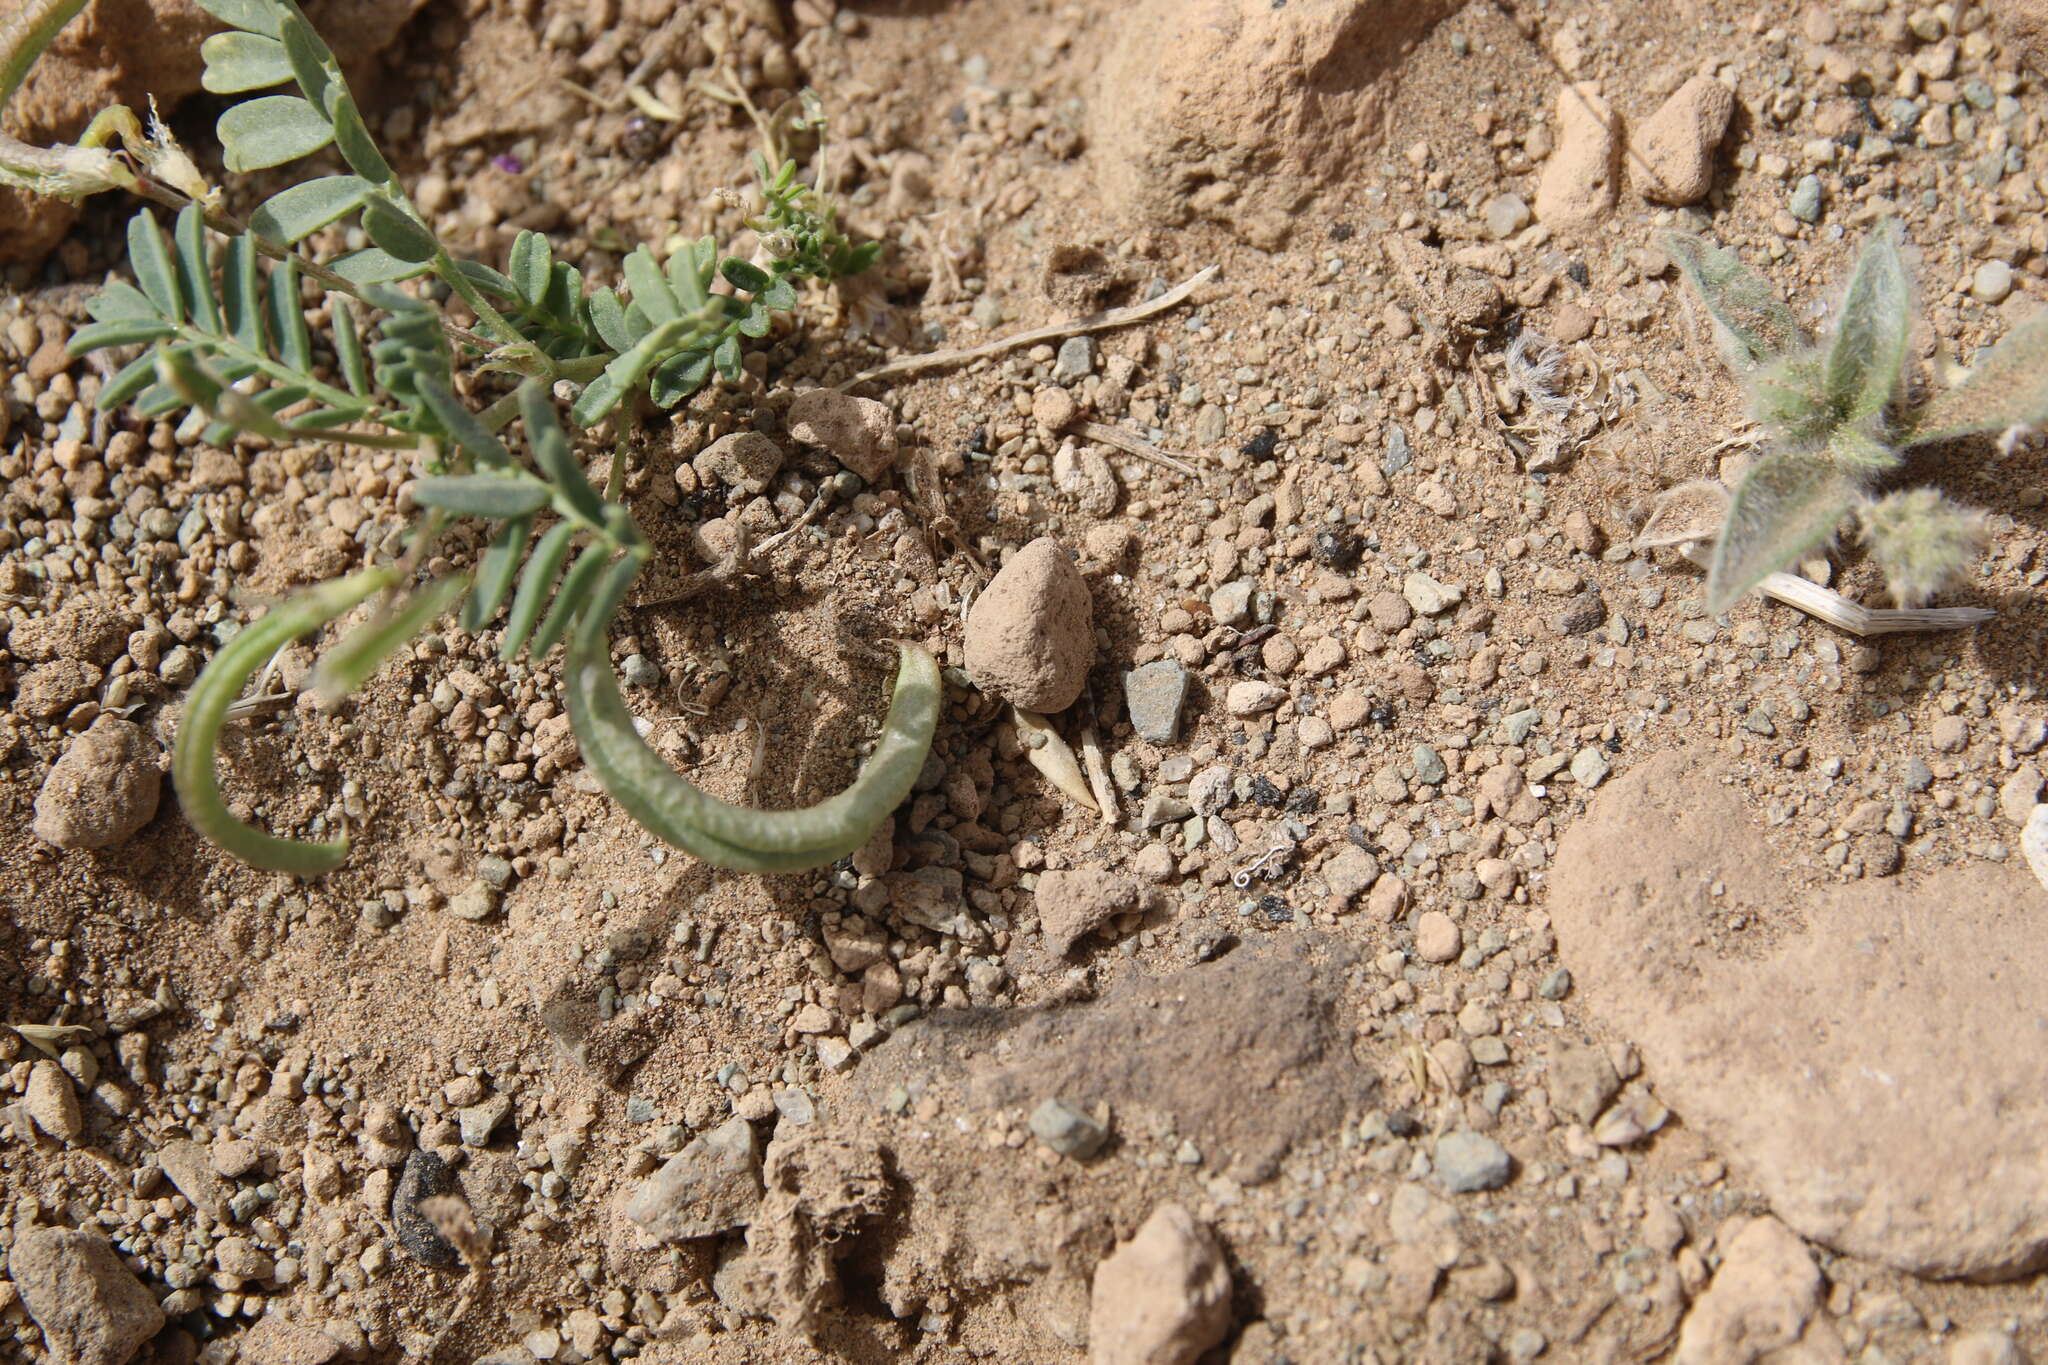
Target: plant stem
487	314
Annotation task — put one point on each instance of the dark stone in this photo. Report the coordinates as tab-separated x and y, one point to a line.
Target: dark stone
1339	550
1262	445
424	1177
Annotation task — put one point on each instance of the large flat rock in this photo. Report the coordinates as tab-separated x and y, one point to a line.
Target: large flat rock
1871	1055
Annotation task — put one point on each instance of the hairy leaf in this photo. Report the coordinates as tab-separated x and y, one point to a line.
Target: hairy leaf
137	375
397	231
650	290
487	279
571	599
243	61
121	301
348	347
1867	350
781	295
1752	323
725	358
1787	504
1861	453
374	265
2008	388
1788	397
206	709
678	377
626	370
361	652
271	131
149	256
241	293
470	434
120	332
689	275
353	138
528	266
289	336
496	496
309	57
307	207
534	586
255	16
744	275
195	271
1922	541
494	572
725	835
610	320
551	448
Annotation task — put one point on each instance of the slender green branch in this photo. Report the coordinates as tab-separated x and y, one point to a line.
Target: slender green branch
492	320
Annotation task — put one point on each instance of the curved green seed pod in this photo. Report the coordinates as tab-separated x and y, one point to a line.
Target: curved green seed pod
206	710
739	838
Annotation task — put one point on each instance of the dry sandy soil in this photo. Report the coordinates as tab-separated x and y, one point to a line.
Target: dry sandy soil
1500	959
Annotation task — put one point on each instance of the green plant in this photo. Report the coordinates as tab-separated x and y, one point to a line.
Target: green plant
1835	414
224	333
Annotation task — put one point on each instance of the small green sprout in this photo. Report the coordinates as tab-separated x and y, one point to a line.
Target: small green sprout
1837	420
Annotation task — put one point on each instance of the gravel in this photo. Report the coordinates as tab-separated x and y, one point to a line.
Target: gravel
1154	693
1467	1162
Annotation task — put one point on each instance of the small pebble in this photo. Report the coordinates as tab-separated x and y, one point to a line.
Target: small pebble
1992	283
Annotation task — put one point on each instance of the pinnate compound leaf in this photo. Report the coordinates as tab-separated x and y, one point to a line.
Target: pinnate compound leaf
1787	504
1867	350
360	653
689	273
725	358
1752	322
271	131
307	207
487	279
243	61
2008	388
495	496
781	295
609	318
1922	541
